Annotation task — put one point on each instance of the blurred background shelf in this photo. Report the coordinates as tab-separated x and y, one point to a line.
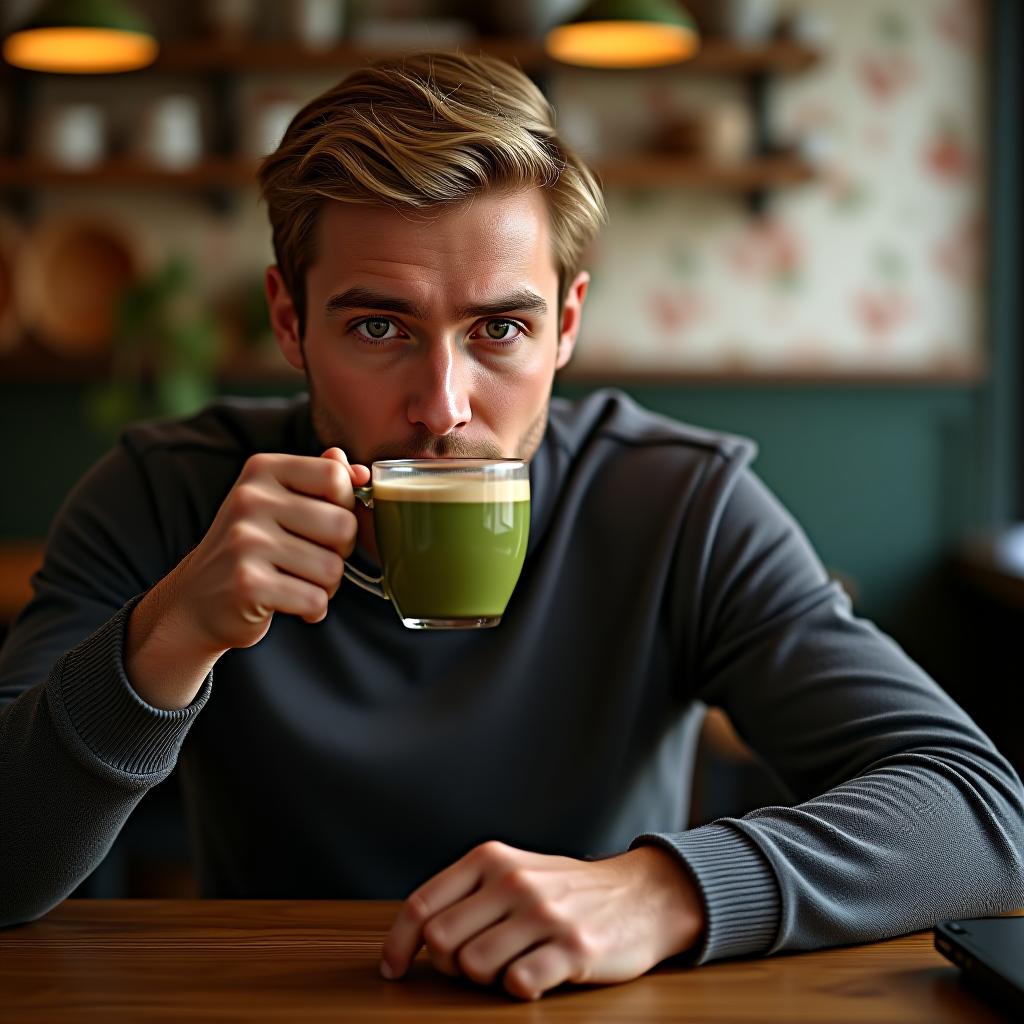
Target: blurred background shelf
220	66
830	376
715	55
31	361
691	172
212	172
226	172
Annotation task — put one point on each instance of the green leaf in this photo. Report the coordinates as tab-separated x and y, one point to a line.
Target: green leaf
181	391
196	343
110	406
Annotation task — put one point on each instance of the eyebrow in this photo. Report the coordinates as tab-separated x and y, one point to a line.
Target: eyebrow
523	300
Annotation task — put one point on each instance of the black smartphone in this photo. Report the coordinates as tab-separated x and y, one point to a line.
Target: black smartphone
990	952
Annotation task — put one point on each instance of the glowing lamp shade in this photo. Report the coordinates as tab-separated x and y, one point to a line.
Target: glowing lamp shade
82	37
625	34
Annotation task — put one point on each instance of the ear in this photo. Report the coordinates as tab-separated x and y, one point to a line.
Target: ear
572	312
283	318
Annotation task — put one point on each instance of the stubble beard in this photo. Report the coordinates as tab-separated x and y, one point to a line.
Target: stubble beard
421	442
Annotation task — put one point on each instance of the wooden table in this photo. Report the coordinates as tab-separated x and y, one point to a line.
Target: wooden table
256	960
18	560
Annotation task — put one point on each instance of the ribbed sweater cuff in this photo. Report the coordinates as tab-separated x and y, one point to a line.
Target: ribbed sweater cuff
740	892
91	692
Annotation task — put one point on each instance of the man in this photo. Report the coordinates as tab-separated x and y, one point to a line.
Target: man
523	789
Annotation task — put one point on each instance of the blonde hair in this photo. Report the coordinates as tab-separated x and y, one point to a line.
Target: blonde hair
423	131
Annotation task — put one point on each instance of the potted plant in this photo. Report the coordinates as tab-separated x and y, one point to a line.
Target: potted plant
165	350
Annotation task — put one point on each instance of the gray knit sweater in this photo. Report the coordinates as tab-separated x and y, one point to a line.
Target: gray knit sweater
354	758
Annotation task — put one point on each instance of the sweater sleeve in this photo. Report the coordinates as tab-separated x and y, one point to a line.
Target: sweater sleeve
903	812
78	747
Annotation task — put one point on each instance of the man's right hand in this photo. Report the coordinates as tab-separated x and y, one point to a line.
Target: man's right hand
277	544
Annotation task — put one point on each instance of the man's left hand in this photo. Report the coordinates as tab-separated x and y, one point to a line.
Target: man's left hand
542	920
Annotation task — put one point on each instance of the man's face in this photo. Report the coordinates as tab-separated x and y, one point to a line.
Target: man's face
433	336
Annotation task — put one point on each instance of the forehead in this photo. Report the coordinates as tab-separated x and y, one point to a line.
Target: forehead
490	241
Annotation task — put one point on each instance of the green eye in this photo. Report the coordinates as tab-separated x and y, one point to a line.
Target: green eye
498	329
377	327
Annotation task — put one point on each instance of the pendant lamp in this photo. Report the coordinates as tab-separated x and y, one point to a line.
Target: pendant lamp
625	34
83	37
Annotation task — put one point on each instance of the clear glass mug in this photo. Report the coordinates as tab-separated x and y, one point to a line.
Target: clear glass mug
451	535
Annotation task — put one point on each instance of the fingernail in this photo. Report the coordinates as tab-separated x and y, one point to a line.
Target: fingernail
387	970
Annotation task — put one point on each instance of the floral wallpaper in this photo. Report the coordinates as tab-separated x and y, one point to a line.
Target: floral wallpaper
875	266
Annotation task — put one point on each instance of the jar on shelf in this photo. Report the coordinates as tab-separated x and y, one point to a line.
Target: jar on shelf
171	136
73	136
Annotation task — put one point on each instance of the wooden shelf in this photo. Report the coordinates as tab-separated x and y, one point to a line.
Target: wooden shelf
824	377
775	57
719	56
755	173
212	172
206	55
31	360
221	173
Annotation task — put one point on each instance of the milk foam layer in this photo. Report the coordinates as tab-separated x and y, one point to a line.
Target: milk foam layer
451	487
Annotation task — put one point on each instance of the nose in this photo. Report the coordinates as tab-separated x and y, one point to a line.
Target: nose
439	399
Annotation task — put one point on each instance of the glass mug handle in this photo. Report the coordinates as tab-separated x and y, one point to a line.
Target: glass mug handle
371	584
